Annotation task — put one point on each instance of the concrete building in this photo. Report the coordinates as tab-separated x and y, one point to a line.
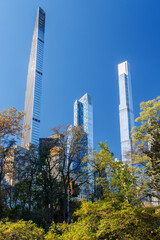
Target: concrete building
50	149
17	161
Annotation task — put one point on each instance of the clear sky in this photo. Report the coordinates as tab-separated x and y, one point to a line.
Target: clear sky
84	42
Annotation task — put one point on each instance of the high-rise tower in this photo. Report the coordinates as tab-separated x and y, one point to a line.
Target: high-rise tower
126	114
34	83
83	116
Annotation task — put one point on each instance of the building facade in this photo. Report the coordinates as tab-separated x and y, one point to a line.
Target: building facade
83	116
126	114
50	149
17	163
31	126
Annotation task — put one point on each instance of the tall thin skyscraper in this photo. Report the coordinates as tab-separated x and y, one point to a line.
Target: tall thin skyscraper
34	83
83	116
126	114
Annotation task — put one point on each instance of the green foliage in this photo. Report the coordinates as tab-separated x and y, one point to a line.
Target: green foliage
10	131
103	219
42	194
98	164
146	141
149	128
109	220
123	183
112	179
20	230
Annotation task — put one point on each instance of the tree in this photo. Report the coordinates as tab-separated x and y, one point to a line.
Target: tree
98	164
20	230
49	194
109	219
72	147
113	179
123	184
59	165
41	186
10	131
23	197
146	142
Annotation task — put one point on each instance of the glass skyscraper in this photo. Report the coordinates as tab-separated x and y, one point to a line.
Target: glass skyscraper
126	114
83	116
31	124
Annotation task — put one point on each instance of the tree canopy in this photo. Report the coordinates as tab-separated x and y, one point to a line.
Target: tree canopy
44	193
10	131
146	142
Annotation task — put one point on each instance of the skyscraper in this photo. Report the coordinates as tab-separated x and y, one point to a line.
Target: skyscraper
34	83
83	116
126	114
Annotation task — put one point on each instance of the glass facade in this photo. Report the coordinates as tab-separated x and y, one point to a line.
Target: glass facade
126	114
31	126
83	116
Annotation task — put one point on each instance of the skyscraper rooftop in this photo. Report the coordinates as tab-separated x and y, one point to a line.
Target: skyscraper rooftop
123	68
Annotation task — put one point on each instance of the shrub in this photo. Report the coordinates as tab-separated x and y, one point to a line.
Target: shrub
20	230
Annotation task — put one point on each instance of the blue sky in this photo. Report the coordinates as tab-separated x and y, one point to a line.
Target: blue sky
84	42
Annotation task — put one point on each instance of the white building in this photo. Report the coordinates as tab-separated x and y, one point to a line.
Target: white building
126	114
